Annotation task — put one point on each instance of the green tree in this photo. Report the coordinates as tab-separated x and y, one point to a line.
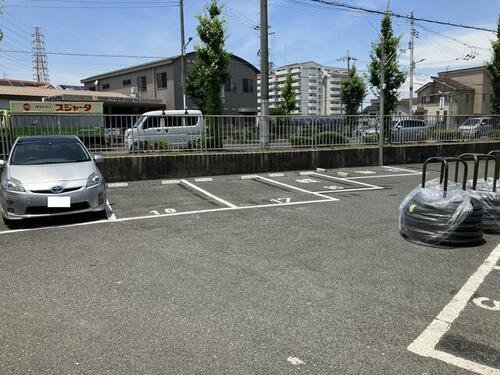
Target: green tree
394	77
288	95
494	68
211	67
352	92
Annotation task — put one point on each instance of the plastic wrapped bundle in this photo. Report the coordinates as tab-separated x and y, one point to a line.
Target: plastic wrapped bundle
429	215
485	190
491	202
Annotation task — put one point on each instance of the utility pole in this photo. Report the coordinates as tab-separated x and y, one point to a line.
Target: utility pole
382	97
264	75
412	60
183	57
347	58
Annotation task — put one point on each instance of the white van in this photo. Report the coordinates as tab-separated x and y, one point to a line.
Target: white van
164	129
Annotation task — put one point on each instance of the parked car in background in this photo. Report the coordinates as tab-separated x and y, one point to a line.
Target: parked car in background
160	130
50	176
476	127
410	130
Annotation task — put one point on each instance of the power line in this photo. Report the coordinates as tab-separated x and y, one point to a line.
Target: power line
87	54
137	5
398	15
453	39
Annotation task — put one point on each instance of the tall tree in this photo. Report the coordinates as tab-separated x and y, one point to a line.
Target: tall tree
288	94
211	67
394	77
494	68
352	92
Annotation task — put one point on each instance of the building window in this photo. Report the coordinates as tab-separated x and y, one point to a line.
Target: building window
484	98
247	85
126	82
230	85
467	98
161	80
142	84
105	86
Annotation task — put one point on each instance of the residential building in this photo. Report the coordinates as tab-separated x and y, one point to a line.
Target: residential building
373	110
456	93
161	80
317	88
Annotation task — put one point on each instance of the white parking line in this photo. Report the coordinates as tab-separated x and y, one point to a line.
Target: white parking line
350	190
384	175
125	219
294	188
402	169
347	180
425	344
249	177
208	194
109	212
170	182
276	174
203	179
117	184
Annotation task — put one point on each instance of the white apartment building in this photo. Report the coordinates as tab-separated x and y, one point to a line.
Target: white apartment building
317	88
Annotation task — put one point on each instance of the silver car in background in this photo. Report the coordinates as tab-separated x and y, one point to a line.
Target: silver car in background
410	130
476	127
50	176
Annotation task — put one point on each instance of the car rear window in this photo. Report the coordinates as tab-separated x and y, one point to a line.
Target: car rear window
32	153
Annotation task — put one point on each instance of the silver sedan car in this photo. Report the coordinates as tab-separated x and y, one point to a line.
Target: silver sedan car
50	175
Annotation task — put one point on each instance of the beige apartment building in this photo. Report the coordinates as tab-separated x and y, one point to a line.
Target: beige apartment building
160	80
459	92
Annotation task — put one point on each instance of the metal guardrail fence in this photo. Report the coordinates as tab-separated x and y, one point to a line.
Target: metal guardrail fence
139	134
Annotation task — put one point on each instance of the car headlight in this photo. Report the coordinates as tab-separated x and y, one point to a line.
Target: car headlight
11	184
94	179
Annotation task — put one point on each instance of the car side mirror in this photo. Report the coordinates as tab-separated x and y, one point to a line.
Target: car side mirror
2	163
98	159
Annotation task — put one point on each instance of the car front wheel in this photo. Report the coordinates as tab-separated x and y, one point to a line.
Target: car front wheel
12	224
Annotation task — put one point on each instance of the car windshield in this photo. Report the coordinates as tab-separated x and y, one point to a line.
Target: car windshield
31	153
472	122
138	121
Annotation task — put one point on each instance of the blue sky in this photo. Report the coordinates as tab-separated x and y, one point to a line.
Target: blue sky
301	32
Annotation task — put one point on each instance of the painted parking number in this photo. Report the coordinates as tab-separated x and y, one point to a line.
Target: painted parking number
488	303
333	187
166	210
307	181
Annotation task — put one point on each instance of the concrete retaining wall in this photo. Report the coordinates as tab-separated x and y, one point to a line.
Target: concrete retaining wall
142	167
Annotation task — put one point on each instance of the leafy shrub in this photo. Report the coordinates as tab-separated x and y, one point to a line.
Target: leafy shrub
370	138
331	137
495	133
320	139
446	134
201	143
159	145
298	140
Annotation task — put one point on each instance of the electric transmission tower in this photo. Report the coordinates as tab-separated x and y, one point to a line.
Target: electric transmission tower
40	67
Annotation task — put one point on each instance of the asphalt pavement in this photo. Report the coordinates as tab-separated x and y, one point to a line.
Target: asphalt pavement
293	273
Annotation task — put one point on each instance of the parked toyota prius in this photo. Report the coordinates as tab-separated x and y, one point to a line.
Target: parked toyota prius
48	176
